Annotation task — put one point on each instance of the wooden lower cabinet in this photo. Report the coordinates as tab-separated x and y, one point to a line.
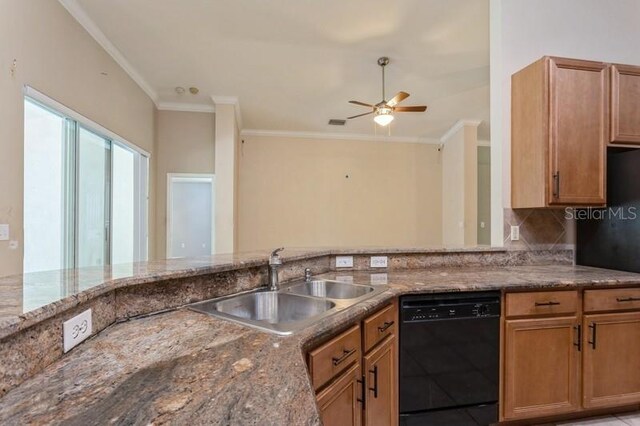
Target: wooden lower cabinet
611	364
541	367
340	402
354	388
380	380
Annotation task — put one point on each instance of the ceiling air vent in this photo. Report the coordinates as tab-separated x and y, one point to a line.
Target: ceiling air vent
337	122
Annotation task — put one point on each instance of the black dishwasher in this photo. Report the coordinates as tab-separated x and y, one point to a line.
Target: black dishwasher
449	358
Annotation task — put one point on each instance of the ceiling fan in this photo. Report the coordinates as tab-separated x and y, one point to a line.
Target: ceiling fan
384	110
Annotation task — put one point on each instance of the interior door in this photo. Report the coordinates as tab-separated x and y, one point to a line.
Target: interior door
541	367
579	124
611	359
190	226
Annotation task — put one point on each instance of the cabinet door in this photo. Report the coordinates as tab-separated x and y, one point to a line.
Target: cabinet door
381	384
541	367
340	403
625	104
578	126
611	359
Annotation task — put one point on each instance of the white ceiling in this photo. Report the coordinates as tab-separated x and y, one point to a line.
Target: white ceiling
294	64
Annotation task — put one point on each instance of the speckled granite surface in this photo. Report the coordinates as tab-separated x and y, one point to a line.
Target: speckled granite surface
183	367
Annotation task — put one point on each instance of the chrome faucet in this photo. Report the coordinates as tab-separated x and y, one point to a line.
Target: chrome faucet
274	263
307	274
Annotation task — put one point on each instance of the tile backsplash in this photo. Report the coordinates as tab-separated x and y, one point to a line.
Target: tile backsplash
539	228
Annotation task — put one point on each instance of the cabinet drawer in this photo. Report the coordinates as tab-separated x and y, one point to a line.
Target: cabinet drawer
335	356
378	326
614	299
540	303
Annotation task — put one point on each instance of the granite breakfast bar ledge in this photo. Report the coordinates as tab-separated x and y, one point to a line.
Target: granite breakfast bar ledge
184	367
32	341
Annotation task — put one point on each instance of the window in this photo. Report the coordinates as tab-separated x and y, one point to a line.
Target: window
85	191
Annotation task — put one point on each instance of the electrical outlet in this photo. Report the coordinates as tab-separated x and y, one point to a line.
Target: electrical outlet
515	233
378	279
76	330
4	232
378	261
344	261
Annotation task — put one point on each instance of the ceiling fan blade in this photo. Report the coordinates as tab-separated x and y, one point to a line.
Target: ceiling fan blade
415	108
360	115
360	103
397	99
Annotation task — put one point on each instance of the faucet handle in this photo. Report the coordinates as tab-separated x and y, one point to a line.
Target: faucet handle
274	259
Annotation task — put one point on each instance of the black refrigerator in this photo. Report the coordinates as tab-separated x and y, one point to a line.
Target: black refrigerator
610	237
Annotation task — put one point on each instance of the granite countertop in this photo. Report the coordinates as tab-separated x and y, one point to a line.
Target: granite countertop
26	299
183	367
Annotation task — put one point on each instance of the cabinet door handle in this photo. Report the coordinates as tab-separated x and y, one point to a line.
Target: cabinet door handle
375	381
550	303
628	299
556	184
592	342
363	394
346	353
385	326
578	342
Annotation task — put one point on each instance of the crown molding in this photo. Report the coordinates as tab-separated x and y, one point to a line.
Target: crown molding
336	136
230	100
77	12
187	107
457	126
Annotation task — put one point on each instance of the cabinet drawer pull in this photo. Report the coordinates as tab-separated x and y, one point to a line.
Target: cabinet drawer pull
375	381
592	342
363	394
551	303
556	184
385	326
628	299
578	342
345	354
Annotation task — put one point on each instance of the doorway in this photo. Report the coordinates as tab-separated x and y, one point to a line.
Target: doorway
190	215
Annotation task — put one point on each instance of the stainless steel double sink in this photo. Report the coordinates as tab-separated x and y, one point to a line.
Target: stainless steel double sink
291	308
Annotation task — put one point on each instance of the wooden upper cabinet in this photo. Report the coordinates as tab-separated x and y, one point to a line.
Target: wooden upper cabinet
625	104
559	133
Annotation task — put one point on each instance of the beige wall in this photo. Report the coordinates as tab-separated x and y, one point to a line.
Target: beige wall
484	195
226	204
294	192
185	144
460	188
56	56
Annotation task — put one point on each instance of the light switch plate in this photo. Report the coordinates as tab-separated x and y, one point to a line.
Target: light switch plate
515	233
344	261
378	261
4	232
76	330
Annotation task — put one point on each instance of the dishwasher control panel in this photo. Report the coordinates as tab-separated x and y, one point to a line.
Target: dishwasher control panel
426	310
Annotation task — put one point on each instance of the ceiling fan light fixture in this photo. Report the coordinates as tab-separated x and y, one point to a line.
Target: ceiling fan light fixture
383	116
